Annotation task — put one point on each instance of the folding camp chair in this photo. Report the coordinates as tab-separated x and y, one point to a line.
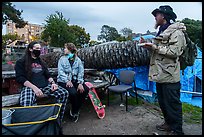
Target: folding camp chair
126	78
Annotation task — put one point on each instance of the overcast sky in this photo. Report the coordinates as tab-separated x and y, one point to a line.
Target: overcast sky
93	15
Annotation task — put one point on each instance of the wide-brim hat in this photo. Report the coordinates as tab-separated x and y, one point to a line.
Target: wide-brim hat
167	10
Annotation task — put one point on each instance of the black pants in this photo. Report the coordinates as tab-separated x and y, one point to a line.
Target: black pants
170	104
76	98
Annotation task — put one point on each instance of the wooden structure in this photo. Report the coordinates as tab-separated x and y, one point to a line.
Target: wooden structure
12	97
98	57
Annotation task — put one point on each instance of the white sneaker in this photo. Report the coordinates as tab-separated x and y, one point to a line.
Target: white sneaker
75	118
70	112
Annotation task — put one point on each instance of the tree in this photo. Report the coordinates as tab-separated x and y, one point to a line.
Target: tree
93	42
79	35
6	39
107	56
194	30
36	37
108	33
121	38
56	30
112	56
10	13
126	32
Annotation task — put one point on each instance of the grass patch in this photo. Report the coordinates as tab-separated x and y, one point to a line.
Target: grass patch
112	96
192	114
156	104
132	101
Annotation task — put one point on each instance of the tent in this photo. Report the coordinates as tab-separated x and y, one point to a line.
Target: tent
190	80
191	87
145	37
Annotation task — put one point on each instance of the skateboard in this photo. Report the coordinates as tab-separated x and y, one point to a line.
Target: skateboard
99	108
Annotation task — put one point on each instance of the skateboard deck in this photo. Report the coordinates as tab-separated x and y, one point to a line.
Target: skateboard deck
99	108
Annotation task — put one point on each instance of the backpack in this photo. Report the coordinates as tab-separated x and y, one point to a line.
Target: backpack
187	58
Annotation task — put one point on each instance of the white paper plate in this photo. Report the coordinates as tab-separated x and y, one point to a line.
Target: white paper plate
141	44
98	81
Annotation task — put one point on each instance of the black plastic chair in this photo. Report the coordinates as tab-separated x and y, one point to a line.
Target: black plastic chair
126	79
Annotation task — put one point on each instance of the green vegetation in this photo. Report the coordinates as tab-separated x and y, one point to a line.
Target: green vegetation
114	96
194	30
109	33
111	97
132	101
78	35
58	31
192	114
11	37
9	12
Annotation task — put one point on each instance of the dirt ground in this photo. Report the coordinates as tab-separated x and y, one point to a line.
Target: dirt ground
139	120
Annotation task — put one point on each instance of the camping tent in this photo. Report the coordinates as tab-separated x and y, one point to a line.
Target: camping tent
188	82
191	82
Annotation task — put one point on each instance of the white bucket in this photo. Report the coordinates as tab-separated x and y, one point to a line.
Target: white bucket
6	116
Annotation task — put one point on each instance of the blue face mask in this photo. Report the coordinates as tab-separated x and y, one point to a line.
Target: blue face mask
70	55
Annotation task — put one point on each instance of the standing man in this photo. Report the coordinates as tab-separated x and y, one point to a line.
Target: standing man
164	68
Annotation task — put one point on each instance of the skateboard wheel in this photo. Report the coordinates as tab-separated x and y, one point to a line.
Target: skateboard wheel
101	115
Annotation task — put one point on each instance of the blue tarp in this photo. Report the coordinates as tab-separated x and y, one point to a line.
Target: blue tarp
145	37
141	78
187	80
196	101
191	72
191	81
